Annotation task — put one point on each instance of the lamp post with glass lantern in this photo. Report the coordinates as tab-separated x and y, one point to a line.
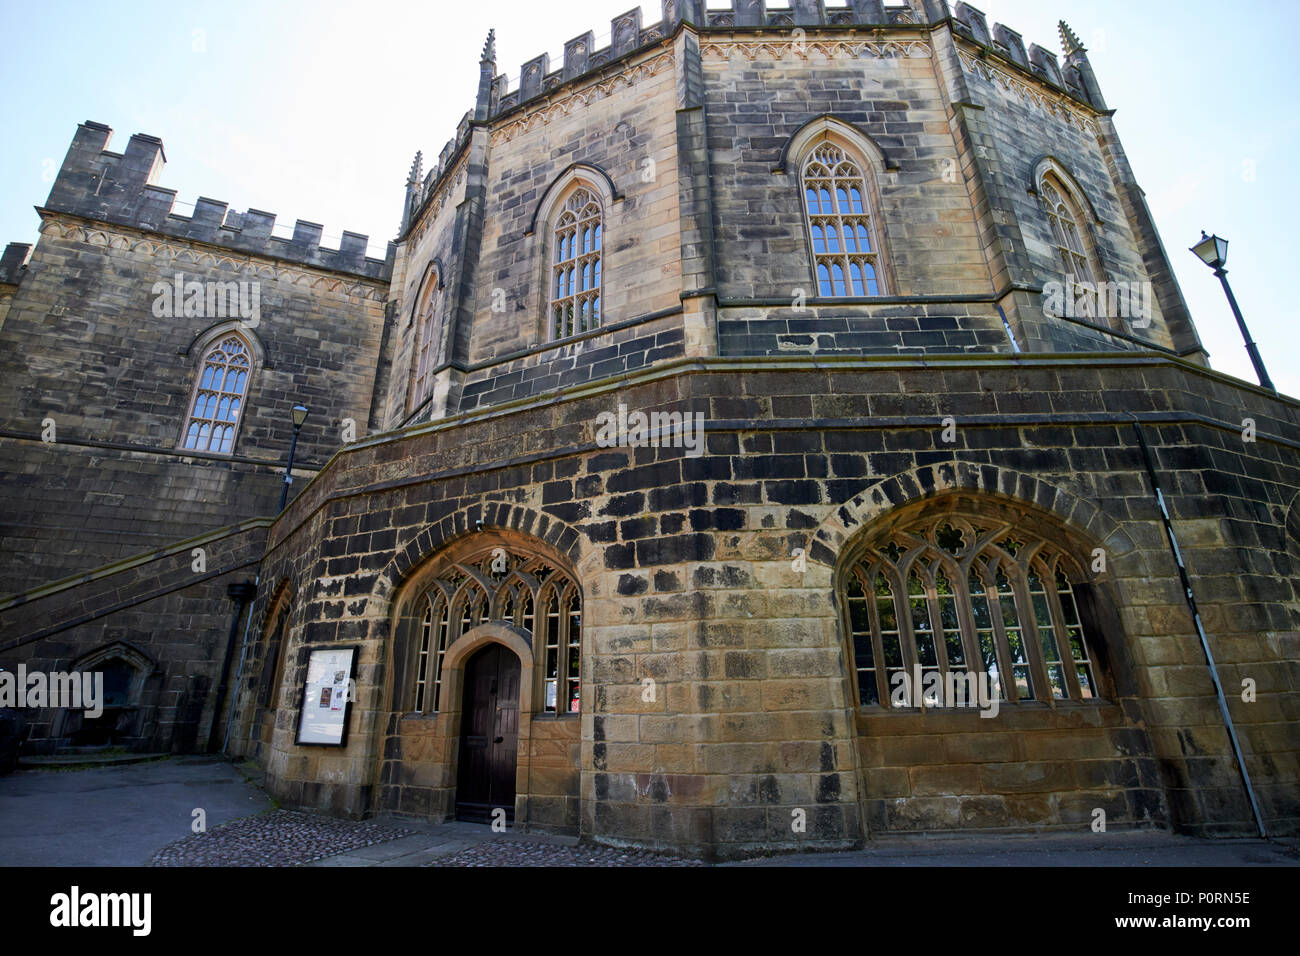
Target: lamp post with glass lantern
299	416
1213	251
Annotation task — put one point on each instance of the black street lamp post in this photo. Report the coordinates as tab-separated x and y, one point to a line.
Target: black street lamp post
1213	251
299	416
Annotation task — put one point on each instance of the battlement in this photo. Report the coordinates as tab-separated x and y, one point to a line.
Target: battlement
95	183
627	35
1074	79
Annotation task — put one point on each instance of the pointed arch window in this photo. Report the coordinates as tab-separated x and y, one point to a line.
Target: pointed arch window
575	299
219	396
841	223
495	585
952	597
427	311
1074	251
273	659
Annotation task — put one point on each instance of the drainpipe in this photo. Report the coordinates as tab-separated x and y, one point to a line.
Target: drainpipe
1015	346
241	593
1200	631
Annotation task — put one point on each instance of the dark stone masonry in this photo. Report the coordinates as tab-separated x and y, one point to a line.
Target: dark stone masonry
876	549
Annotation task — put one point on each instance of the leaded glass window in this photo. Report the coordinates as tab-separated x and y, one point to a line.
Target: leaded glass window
219	395
497	585
575	266
840	224
949	599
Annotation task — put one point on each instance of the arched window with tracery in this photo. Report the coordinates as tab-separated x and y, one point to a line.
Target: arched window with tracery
951	596
841	224
575	266
527	591
427	310
219	396
1078	261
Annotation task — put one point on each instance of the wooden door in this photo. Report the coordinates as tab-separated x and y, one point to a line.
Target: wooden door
489	740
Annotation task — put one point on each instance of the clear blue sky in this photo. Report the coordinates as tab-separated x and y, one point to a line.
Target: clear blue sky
314	110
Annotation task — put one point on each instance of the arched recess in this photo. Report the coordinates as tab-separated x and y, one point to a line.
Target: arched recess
266	698
515	638
427	319
829	125
929	481
491	576
482	583
1048	165
838	171
204	340
1056	514
127	713
969	585
1074	232
434	272
587	174
227	359
559	536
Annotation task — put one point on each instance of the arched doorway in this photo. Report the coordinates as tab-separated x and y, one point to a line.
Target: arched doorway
489	739
127	707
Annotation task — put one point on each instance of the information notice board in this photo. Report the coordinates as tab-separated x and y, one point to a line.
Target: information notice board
327	697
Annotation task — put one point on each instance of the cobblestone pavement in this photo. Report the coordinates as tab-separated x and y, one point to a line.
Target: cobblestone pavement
514	853
278	838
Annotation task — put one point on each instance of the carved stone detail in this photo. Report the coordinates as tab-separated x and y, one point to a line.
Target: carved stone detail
544	113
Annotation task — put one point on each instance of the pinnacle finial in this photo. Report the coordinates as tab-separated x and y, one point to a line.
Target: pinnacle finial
490	47
1069	42
417	167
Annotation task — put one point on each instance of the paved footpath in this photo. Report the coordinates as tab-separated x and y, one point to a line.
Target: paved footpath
116	816
139	815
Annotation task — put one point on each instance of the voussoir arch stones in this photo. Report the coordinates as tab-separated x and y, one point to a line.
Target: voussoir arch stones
560	537
989	481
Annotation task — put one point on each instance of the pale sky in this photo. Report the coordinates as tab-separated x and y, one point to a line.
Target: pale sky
315	110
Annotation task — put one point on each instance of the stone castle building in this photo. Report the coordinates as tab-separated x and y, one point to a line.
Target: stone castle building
720	382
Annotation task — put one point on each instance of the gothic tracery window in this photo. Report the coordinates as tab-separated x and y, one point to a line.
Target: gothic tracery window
575	266
953	595
840	223
219	396
528	592
1079	266
426	318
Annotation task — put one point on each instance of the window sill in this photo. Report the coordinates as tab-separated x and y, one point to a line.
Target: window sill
875	710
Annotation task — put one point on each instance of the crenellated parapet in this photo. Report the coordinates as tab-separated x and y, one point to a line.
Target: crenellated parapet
1073	79
121	188
629	36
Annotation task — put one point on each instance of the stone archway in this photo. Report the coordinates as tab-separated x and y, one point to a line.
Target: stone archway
127	716
1041	762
